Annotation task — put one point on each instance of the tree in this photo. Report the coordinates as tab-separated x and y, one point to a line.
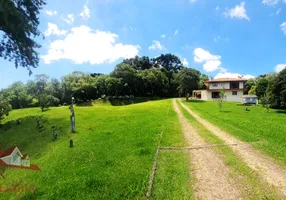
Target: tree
128	75
265	101
5	107
221	99
188	80
277	91
154	81
248	85
19	22
114	86
261	87
203	79
252	90
139	63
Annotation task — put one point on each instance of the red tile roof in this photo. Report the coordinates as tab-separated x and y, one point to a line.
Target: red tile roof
24	156
226	80
7	152
2	163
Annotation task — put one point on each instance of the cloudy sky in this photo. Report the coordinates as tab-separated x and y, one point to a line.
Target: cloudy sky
220	38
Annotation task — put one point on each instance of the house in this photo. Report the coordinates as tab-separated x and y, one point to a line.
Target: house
14	158
233	87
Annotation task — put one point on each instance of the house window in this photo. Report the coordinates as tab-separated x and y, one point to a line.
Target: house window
215	95
215	84
15	156
234	85
234	92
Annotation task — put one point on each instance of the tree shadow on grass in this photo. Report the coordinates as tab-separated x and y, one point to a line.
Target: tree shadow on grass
30	138
281	111
194	101
118	102
225	111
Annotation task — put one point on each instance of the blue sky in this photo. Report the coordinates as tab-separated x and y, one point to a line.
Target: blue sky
220	38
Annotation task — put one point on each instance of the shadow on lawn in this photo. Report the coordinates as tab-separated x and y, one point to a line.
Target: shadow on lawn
194	101
118	102
281	111
31	139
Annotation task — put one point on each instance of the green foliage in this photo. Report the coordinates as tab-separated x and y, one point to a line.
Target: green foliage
221	99
261	87
187	80
154	81
5	108
19	22
249	84
252	90
277	91
265	101
203	79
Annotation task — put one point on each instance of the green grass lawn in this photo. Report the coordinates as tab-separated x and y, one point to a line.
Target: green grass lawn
248	181
112	157
249	126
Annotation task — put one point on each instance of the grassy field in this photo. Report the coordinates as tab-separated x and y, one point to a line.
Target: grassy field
248	181
249	126
112	157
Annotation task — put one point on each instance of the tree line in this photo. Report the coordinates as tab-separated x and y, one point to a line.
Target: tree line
163	76
270	89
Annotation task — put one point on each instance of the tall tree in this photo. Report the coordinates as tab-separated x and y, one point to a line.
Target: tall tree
277	90
19	22
261	87
154	81
128	75
188	80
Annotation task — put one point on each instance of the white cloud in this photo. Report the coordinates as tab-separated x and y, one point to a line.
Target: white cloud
217	8
237	12
156	45
211	65
163	36
278	11
283	27
270	2
202	55
280	67
185	62
69	19
85	13
51	13
226	74
85	45
54	30
211	62
192	1
176	32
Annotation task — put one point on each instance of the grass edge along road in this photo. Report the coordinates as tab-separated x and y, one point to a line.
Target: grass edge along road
267	130
251	186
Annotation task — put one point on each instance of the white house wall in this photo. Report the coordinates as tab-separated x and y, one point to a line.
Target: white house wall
234	98
241	85
6	159
222	85
204	95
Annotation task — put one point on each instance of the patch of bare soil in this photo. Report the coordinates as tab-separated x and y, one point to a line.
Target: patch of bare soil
264	165
212	175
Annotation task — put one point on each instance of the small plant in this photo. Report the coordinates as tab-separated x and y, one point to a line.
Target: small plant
221	99
265	101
